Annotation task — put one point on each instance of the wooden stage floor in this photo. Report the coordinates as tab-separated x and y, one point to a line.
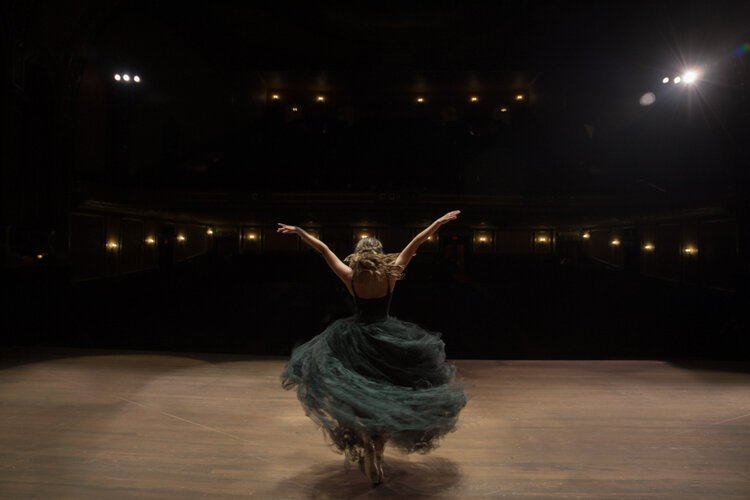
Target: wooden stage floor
78	423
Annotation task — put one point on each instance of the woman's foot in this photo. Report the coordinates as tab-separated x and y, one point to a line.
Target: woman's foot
372	470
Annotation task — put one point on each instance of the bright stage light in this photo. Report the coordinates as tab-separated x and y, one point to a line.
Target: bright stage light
677	79
118	77
137	79
665	79
126	77
690	76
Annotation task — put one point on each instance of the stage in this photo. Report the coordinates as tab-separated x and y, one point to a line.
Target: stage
81	423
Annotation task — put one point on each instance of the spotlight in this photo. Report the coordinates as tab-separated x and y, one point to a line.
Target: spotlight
420	99
690	76
362	236
112	245
690	250
677	79
503	110
180	238
275	97
474	98
126	77
118	77
649	247
542	239
251	236
665	79
520	97
482	239
137	79
209	231
320	98
586	235
150	241
295	109
615	242
40	256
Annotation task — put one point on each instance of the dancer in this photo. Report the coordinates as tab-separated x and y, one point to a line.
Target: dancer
372	378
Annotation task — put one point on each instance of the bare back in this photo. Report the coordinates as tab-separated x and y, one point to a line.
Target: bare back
370	287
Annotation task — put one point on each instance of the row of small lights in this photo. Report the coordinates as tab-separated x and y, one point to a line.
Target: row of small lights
687	78
113	245
126	77
647	247
615	242
418	100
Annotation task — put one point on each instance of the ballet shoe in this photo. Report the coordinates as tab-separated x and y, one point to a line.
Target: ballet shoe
373	472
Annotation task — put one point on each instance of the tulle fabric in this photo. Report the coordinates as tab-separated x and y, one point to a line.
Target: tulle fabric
377	376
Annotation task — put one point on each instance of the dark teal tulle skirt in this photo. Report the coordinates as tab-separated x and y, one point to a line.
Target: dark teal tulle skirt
386	376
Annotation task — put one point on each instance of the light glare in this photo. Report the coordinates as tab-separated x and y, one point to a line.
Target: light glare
690	76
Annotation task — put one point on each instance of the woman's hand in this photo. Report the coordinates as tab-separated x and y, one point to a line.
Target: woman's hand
448	217
286	229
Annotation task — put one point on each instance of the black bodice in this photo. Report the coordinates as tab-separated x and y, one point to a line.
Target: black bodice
373	308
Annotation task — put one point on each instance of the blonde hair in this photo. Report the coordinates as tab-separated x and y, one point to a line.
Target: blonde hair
368	256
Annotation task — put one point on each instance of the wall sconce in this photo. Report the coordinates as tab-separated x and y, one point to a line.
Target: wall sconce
542	238
209	231
520	97
483	238
251	236
181	238
320	98
473	98
275	97
586	235
648	247
420	100
112	245
689	250
615	242
150	241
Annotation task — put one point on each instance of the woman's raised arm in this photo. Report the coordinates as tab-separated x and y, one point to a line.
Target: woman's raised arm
411	249
341	270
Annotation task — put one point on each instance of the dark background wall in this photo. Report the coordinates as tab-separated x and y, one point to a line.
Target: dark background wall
109	191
